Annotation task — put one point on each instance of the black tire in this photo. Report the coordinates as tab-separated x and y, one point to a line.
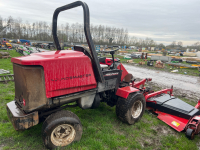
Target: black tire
124	108
190	133
62	120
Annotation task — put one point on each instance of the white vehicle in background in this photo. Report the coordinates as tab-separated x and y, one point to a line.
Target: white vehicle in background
135	56
132	47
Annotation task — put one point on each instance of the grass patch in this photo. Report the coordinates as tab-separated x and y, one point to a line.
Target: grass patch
101	128
6	63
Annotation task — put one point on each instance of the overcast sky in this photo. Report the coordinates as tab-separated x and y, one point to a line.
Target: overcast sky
162	20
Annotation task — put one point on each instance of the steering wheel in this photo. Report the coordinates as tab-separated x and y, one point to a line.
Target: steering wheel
111	52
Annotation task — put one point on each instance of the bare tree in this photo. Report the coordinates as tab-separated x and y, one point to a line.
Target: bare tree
173	44
70	33
180	43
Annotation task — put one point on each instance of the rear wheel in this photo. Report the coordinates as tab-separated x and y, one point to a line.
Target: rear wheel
190	133
61	129
131	110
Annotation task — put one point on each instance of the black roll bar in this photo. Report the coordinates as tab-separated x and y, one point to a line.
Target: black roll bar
95	62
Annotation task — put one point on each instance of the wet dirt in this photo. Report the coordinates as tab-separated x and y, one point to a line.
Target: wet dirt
183	85
147	142
159	129
1	147
159	132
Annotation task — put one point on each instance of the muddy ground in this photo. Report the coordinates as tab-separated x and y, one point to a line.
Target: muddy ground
184	85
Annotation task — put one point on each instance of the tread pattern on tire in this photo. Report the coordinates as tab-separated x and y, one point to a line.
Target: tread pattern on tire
123	106
59	114
188	133
55	116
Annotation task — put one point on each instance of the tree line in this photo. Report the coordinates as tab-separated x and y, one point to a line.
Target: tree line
72	33
179	45
15	28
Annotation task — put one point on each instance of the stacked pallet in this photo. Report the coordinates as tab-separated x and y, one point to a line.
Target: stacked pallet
123	51
145	51
193	59
176	57
6	78
189	54
150	54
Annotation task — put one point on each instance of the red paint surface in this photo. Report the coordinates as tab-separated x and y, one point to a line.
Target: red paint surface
125	91
142	82
198	105
137	84
108	61
194	124
24	102
124	71
58	67
168	119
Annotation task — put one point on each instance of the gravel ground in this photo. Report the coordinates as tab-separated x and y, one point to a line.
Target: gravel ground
184	85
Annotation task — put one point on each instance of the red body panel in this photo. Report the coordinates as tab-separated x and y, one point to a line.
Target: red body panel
125	91
124	71
139	83
175	122
194	124
198	105
108	61
65	71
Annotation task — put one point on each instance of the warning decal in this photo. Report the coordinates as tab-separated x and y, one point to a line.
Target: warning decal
175	123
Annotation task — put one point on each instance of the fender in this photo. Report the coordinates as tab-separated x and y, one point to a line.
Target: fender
125	91
124	71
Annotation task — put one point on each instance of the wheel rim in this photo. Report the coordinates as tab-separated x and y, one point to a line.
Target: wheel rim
136	109
192	134
63	135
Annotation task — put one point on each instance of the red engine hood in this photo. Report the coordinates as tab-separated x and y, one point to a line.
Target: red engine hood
65	71
39	58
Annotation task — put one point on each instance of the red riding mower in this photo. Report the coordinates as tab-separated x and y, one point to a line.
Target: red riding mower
45	83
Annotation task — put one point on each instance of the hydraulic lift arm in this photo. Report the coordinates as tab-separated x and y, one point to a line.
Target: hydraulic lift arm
139	83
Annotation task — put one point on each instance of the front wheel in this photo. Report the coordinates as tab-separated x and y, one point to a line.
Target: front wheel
61	129
190	133
131	110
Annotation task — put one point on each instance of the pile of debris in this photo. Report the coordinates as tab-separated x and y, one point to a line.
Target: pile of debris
159	64
6	78
4	55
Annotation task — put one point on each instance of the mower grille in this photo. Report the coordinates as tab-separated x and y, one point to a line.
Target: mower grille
29	87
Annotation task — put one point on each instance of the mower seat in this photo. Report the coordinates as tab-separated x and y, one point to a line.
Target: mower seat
102	59
103	67
112	80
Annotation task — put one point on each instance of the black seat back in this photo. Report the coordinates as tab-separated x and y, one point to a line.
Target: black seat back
102	59
112	80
